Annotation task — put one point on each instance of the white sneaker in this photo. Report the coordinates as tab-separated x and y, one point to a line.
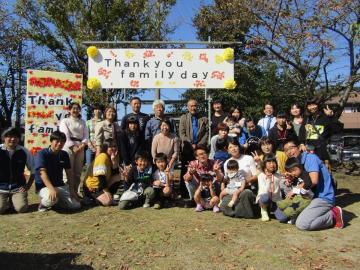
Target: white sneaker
146	205
231	204
264	215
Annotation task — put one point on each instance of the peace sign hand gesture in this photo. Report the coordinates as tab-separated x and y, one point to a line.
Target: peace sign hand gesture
217	165
328	111
256	156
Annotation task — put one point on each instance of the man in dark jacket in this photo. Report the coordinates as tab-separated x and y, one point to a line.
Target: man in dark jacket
142	118
193	131
13	159
319	127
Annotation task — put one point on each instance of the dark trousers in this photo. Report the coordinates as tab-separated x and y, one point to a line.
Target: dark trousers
244	207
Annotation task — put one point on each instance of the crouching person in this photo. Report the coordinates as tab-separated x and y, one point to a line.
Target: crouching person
202	165
49	165
139	180
13	159
103	175
163	180
205	196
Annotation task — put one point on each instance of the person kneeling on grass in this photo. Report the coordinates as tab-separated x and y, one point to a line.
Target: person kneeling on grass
269	187
205	196
49	165
321	213
140	181
202	165
235	180
297	189
13	185
102	175
163	178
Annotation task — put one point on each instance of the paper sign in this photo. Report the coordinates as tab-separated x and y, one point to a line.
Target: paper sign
161	68
48	96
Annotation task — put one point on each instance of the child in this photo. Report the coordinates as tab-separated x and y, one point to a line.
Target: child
297	189
235	181
269	186
221	153
162	179
205	196
141	176
234	127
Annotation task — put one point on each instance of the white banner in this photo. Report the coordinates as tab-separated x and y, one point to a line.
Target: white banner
161	68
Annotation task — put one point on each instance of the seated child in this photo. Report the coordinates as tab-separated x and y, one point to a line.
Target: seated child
235	182
269	186
162	180
297	189
141	176
221	153
205	196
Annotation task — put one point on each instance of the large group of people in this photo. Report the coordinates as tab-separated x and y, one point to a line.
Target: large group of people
275	167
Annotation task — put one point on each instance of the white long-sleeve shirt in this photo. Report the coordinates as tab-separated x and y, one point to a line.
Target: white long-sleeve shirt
74	128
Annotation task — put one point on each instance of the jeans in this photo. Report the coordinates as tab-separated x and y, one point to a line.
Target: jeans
89	156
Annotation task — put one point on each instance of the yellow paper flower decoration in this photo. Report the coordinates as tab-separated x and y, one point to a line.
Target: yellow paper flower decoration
230	84
93	84
219	59
228	54
92	51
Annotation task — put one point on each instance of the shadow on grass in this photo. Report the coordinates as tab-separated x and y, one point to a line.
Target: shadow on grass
19	261
345	198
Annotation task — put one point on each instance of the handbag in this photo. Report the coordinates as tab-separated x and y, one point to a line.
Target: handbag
132	194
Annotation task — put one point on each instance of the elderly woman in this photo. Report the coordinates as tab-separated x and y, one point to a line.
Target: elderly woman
167	143
153	125
106	130
244	206
76	139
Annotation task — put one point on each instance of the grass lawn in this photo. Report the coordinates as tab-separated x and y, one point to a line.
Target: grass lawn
176	238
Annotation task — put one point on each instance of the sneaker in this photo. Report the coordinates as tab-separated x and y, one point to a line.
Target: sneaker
87	201
42	208
291	221
338	217
216	209
157	206
146	205
219	205
264	215
231	204
199	208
